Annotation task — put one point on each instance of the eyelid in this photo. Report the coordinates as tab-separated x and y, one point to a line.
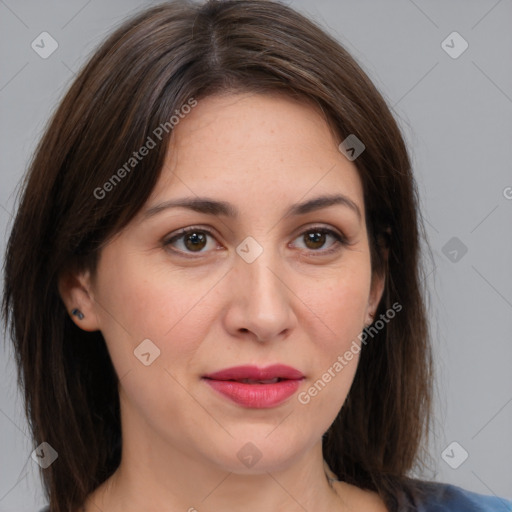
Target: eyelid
340	239
339	242
320	227
176	235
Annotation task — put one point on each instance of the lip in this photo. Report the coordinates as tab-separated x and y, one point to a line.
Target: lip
255	395
253	372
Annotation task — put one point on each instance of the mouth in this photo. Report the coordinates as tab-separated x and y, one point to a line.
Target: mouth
253	387
255	375
252	381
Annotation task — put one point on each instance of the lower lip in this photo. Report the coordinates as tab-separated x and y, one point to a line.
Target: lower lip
256	396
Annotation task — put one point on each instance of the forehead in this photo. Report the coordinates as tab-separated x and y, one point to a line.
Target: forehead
271	146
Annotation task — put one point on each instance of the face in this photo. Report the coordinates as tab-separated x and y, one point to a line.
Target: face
259	282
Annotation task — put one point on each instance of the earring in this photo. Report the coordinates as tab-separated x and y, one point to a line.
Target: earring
77	313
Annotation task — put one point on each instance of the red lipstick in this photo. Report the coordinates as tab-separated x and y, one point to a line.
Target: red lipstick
254	387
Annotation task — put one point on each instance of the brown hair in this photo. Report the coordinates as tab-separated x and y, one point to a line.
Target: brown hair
147	69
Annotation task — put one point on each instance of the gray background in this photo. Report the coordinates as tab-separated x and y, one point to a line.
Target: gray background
456	116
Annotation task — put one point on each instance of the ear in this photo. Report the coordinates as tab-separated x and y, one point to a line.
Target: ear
376	291
76	292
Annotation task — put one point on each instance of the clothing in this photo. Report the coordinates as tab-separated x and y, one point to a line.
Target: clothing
450	498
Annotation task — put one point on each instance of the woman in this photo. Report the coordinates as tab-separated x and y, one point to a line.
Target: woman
213	280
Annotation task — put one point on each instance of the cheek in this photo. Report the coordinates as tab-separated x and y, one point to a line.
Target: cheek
138	302
336	323
338	306
324	396
336	320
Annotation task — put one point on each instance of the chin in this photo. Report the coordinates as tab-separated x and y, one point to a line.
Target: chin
260	450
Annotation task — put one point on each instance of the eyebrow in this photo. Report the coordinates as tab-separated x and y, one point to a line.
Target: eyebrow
213	207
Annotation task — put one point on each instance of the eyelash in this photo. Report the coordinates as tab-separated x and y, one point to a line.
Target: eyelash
340	240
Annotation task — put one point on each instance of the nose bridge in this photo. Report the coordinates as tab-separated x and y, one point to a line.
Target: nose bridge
263	297
259	274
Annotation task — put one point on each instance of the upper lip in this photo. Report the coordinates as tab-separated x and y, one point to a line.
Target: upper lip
254	373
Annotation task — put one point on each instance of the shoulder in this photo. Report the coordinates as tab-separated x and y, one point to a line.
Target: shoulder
441	497
45	509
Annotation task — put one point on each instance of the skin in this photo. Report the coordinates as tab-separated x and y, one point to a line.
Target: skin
294	304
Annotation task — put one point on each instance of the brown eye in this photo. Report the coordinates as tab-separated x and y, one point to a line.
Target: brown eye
190	240
316	238
195	241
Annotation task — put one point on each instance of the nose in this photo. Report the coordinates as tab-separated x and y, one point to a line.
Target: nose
261	301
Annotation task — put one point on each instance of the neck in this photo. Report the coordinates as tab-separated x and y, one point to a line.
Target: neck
165	479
